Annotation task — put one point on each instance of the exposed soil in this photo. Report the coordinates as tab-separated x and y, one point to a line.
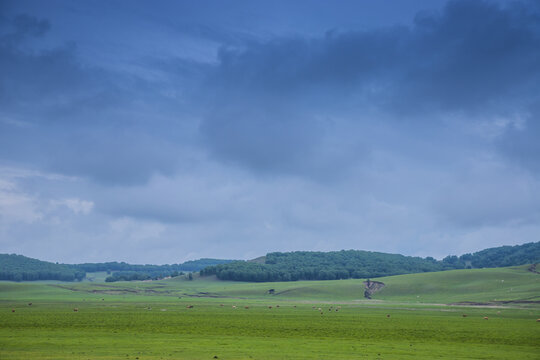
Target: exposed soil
372	287
205	295
491	303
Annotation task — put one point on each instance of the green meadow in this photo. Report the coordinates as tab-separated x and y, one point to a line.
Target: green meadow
413	317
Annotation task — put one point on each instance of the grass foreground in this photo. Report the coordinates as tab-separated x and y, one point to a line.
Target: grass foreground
208	319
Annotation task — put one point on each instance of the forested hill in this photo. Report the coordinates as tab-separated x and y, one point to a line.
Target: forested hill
21	268
305	265
308	265
499	256
299	265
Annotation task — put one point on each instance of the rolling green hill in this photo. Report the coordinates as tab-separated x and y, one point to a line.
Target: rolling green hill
520	287
21	268
357	264
492	285
207	319
277	266
514	285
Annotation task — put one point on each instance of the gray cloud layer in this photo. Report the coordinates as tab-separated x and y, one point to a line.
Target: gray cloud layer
395	132
475	58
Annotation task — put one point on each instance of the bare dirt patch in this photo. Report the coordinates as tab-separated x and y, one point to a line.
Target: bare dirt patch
372	287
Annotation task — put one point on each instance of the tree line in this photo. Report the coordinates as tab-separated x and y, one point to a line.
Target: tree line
21	268
134	275
357	264
278	266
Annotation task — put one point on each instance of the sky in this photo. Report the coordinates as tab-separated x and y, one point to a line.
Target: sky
160	132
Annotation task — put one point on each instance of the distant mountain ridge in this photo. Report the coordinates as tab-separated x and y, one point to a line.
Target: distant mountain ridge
21	268
307	265
278	266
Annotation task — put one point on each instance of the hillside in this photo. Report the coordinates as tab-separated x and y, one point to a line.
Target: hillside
128	272
21	268
277	266
417	318
499	286
515	286
357	264
305	265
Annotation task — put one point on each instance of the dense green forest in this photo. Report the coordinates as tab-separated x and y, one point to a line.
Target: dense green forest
306	265
299	265
151	272
503	256
21	268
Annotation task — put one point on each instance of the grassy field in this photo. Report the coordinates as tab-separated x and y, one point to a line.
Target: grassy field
154	320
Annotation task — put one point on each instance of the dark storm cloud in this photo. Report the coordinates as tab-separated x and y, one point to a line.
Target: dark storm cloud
268	97
255	126
60	115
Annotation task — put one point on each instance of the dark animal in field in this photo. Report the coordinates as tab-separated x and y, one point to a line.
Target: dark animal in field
270	307
272	291
537	320
76	309
388	315
277	305
29	304
221	305
12	310
464	315
190	306
486	318
246	307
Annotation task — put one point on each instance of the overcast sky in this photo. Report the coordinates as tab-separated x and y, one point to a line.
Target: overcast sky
164	131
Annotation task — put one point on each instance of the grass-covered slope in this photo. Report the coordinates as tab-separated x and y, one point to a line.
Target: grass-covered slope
207	318
520	286
21	268
495	285
514	285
